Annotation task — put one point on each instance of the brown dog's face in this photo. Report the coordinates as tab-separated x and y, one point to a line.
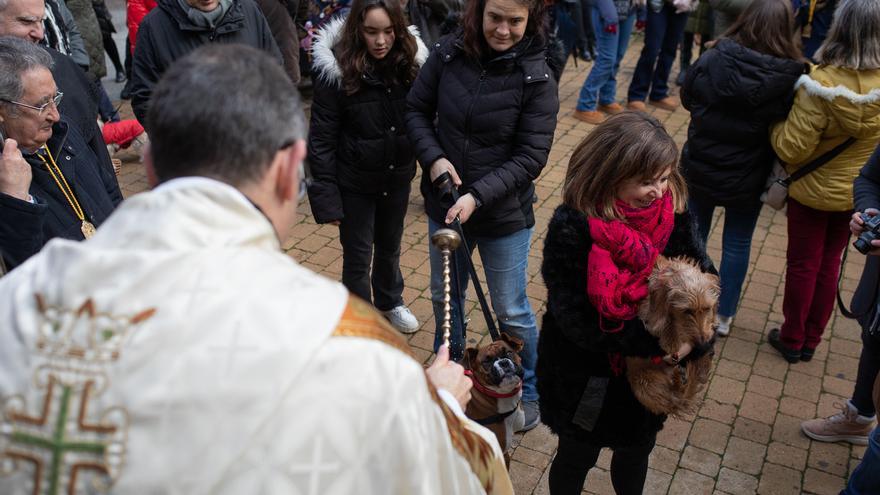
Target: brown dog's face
682	298
496	365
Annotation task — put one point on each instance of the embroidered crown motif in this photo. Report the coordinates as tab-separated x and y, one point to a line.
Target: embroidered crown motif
84	333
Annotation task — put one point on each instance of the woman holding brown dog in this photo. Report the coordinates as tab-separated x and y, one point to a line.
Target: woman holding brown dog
623	206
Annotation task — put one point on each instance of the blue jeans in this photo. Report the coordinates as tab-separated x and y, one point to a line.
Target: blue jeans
611	47
505	260
865	478
663	31
736	241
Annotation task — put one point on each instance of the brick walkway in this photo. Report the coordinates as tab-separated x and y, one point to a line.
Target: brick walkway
746	436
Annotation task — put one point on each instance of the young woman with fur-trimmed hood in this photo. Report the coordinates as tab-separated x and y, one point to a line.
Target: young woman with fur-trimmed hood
838	101
358	151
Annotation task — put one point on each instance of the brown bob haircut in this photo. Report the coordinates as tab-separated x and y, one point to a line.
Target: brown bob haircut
629	145
768	27
475	45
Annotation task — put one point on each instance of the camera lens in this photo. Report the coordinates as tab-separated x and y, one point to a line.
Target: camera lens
862	245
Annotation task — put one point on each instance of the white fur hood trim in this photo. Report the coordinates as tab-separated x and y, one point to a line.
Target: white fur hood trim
324	61
816	88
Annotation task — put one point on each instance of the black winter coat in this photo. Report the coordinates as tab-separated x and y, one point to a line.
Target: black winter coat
494	122
734	94
25	227
866	194
357	142
166	34
80	103
572	348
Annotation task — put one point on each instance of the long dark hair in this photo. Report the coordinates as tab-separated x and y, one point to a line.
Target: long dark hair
475	45
398	67
768	26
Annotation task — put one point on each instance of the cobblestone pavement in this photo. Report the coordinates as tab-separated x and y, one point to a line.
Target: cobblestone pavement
746	436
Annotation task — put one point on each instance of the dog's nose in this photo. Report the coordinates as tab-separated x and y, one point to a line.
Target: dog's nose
505	365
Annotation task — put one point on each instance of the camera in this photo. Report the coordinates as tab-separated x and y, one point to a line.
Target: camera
872	231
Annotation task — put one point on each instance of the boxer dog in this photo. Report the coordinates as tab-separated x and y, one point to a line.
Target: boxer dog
496	371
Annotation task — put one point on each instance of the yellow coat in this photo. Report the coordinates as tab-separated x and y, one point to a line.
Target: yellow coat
831	104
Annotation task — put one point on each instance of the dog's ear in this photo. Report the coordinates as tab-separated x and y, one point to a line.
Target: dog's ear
657	314
469	359
515	343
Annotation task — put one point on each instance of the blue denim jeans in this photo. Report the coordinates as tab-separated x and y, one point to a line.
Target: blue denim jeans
865	478
601	84
505	260
736	241
663	31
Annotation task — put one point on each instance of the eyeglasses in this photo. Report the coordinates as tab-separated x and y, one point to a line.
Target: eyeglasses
42	108
304	179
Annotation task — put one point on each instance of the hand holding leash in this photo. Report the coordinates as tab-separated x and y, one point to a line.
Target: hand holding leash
462	209
449	375
676	357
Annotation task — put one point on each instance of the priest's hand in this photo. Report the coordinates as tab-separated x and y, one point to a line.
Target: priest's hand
15	173
449	375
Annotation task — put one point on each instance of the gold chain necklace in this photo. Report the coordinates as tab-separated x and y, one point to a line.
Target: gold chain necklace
87	228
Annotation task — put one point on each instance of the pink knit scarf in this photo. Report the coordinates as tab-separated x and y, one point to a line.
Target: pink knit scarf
623	254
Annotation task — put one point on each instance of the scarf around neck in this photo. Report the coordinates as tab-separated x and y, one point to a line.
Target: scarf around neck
622	256
205	20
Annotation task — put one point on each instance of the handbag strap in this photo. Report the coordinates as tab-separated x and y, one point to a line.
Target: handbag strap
818	162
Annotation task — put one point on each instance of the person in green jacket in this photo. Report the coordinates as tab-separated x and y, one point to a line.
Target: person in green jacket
726	11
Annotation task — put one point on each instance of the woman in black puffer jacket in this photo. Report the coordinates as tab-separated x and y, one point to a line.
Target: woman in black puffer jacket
359	154
484	110
735	91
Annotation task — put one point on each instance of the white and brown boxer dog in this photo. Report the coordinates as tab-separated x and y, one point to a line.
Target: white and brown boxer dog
497	372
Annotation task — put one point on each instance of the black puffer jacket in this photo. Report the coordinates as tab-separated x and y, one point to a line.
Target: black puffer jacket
25	227
357	142
495	123
166	34
734	94
572	348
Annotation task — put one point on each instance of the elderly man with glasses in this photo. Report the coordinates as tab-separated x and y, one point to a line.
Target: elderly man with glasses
51	183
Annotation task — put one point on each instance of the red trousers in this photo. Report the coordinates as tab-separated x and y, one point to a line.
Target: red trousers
816	240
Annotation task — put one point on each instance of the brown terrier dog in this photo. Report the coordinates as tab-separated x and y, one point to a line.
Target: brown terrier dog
497	372
680	309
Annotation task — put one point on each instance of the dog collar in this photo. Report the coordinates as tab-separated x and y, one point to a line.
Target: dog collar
491	393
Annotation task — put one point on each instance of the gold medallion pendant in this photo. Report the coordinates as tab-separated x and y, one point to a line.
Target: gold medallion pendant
87	228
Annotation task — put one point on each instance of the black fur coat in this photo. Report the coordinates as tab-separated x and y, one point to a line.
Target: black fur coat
573	366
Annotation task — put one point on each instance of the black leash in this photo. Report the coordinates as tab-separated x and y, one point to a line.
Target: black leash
444	183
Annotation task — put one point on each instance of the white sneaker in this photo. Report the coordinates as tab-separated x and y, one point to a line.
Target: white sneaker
722	325
402	319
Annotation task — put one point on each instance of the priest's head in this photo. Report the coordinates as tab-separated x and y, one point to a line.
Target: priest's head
230	113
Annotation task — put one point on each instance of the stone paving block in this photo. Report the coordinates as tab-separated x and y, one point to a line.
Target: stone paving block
837	386
832	458
701	461
758	407
822	483
723	413
750	429
779	480
686	482
736	482
787	455
787	429
524	477
540	439
709	435
657	482
764	386
846	347
674	434
726	390
663	459
538	460
599	482
770	365
802	386
744	455
840	366
732	369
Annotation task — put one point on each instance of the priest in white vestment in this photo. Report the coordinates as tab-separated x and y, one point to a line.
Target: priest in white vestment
180	351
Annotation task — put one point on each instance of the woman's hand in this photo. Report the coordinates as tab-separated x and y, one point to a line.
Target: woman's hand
444	165
857	226
463	209
684	350
15	173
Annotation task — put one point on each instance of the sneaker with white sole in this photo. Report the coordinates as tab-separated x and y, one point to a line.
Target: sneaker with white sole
532	416
722	325
402	319
846	426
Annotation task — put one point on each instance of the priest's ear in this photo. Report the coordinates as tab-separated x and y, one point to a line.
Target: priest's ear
287	165
149	167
